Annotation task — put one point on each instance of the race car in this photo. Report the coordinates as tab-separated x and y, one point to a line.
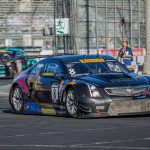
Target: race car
10	67
80	86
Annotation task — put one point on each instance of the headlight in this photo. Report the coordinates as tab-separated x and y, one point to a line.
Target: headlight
93	88
94	92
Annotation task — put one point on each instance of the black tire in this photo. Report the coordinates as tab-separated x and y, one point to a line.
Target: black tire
13	70
16	100
72	104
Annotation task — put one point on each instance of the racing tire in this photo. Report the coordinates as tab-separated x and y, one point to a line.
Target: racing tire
72	103
16	100
13	71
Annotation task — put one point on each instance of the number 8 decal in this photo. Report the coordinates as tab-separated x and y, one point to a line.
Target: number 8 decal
72	72
54	92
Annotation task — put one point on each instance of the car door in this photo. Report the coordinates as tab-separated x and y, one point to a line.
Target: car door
34	80
51	84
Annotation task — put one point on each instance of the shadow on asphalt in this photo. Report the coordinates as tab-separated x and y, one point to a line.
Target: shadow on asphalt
9	111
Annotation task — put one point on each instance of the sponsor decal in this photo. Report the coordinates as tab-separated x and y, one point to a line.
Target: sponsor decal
130	90
31	108
40	65
110	60
55	88
122	80
72	83
91	60
62	108
99	102
61	83
48	111
3	51
113	114
78	75
60	88
100	107
147	93
72	72
1	75
26	106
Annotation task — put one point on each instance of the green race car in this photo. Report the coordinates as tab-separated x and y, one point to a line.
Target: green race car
12	62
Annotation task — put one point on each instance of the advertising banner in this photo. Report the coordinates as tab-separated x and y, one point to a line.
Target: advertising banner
112	52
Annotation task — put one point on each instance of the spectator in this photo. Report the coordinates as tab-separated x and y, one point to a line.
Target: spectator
126	53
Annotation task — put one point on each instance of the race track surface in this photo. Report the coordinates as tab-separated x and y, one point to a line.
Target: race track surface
36	132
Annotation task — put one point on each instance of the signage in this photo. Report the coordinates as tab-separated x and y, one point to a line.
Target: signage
62	26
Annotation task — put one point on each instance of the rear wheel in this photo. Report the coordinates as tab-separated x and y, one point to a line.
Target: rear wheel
17	100
72	103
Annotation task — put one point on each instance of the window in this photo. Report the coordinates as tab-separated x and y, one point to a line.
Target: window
53	68
19	53
39	68
114	66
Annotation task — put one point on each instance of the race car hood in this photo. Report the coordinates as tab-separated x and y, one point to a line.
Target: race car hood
114	79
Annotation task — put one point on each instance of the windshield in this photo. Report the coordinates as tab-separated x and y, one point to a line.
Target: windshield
77	67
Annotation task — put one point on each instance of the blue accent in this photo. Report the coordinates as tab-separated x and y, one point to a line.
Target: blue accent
141	97
97	103
33	108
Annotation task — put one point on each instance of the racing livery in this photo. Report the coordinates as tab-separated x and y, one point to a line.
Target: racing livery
80	86
10	65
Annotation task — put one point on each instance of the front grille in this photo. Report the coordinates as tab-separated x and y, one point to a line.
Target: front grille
127	91
129	106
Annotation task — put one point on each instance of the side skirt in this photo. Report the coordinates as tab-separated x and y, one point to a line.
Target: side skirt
45	109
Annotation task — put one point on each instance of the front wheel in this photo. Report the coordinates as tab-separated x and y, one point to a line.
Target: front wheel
16	100
72	104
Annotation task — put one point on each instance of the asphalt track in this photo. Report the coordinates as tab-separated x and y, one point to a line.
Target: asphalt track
21	132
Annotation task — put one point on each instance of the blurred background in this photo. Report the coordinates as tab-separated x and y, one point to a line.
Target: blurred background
93	26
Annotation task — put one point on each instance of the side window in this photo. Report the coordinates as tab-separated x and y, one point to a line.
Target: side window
53	68
10	54
39	68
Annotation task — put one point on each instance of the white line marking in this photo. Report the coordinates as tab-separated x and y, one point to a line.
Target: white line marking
51	133
77	146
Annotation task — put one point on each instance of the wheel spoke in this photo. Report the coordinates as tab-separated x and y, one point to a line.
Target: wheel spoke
71	102
17	99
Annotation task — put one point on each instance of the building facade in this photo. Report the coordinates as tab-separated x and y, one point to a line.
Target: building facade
104	24
21	22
